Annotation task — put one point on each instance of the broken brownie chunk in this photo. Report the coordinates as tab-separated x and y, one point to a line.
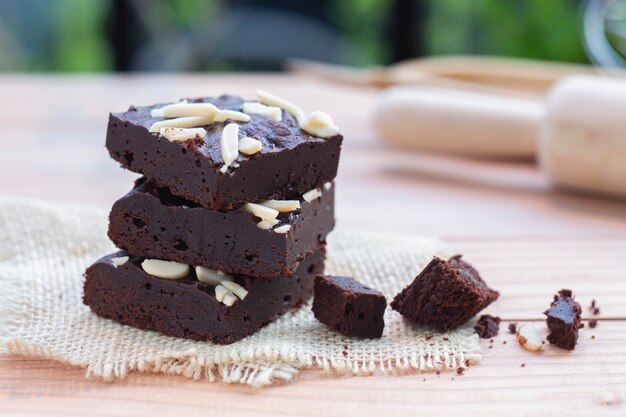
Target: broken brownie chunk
563	320
487	326
349	307
444	295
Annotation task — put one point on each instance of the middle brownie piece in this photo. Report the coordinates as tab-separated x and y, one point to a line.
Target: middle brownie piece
150	222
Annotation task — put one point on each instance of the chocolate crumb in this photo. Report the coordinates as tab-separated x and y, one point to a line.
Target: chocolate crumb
438	372
424	380
467	363
581	325
523	365
593	336
596	311
428	336
513	328
487	326
504	342
446	339
593	323
460	370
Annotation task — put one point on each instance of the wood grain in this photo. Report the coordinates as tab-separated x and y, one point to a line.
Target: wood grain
527	239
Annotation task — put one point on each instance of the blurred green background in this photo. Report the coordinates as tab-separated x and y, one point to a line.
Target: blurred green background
204	35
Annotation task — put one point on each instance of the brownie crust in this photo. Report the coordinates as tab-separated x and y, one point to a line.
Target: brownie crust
444	295
563	320
349	307
291	162
150	222
188	308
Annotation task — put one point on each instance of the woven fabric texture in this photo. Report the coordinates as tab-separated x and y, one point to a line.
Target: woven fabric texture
45	248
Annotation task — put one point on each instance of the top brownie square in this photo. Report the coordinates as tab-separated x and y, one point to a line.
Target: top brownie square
290	162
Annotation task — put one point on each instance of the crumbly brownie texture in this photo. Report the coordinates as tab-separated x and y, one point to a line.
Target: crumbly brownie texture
487	326
349	307
290	162
444	295
188	308
563	320
152	223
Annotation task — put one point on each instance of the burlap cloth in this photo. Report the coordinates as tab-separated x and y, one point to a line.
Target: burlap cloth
45	248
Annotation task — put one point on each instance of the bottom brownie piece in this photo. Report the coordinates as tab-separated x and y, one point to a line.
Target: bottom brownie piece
188	308
563	320
444	295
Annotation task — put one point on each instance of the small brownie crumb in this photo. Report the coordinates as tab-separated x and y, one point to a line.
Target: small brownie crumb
563	320
349	307
460	370
487	326
593	323
444	295
523	365
513	328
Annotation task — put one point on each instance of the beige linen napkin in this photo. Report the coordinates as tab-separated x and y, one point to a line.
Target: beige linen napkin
45	248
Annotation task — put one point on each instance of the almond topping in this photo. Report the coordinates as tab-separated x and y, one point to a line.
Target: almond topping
249	146
165	269
235	116
229	299
179	134
220	292
186	109
312	195
283	229
264	213
283	206
529	338
185	122
321	125
272	100
328	185
267	224
211	276
236	289
229	142
119	261
258	108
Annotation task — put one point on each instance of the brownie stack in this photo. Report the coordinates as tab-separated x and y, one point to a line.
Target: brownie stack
226	229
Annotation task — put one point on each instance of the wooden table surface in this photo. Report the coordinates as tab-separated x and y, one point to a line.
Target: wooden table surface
527	239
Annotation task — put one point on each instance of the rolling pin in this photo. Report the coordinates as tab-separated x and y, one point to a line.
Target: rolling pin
578	134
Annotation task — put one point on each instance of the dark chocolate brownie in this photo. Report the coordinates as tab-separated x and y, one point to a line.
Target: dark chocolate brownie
563	320
349	307
487	326
188	308
291	162
150	222
444	295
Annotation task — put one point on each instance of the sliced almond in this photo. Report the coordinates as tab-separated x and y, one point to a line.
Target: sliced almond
320	125
119	260
236	289
229	142
267	224
312	195
283	229
260	211
211	276
529	338
220	292
258	108
235	116
272	100
185	122
249	146
229	299
179	134
186	109
283	206
165	269
328	185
